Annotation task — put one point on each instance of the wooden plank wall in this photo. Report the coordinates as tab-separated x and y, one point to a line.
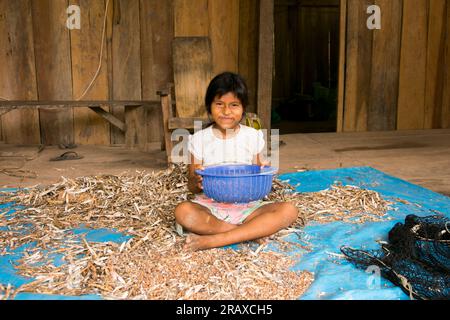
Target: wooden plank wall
157	30
248	47
53	68
265	62
358	67
393	78
397	77
232	27
126	63
89	128
218	20
42	59
45	60
382	108
411	99
18	70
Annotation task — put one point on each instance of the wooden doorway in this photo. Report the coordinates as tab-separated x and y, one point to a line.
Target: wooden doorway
306	73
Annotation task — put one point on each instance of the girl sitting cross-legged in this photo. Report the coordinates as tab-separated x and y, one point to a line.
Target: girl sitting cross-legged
214	224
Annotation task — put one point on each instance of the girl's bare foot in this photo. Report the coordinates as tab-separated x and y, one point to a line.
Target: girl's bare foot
195	242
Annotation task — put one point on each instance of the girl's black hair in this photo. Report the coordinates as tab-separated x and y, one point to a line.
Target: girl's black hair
224	83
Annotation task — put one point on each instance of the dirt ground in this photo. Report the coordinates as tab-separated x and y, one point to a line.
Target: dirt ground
421	157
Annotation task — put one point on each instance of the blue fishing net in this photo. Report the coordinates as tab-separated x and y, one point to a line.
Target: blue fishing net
416	257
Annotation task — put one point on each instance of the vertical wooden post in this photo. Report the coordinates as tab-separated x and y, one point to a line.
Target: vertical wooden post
265	62
435	62
109	59
445	116
341	80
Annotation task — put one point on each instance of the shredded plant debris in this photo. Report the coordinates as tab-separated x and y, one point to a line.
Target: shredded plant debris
176	274
350	204
5	291
152	264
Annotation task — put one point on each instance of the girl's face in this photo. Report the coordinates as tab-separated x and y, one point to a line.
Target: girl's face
227	111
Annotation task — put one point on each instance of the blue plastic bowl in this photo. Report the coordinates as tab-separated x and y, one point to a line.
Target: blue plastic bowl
237	183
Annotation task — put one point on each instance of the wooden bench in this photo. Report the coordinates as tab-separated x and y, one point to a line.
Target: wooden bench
126	126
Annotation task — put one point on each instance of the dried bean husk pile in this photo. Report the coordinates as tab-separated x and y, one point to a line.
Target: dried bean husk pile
350	204
152	264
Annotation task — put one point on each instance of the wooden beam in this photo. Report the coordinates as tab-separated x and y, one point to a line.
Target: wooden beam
265	61
72	103
111	118
6	110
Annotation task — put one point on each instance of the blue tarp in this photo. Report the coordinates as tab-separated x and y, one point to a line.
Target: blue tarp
335	278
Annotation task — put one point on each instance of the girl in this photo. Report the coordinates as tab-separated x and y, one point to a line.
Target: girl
226	141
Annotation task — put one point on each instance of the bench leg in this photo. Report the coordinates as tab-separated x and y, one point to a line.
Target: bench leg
166	104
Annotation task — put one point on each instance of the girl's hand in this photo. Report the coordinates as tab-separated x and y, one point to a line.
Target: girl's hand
198	178
195	184
264	163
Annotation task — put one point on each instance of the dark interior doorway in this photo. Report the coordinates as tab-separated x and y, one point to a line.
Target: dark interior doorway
306	58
